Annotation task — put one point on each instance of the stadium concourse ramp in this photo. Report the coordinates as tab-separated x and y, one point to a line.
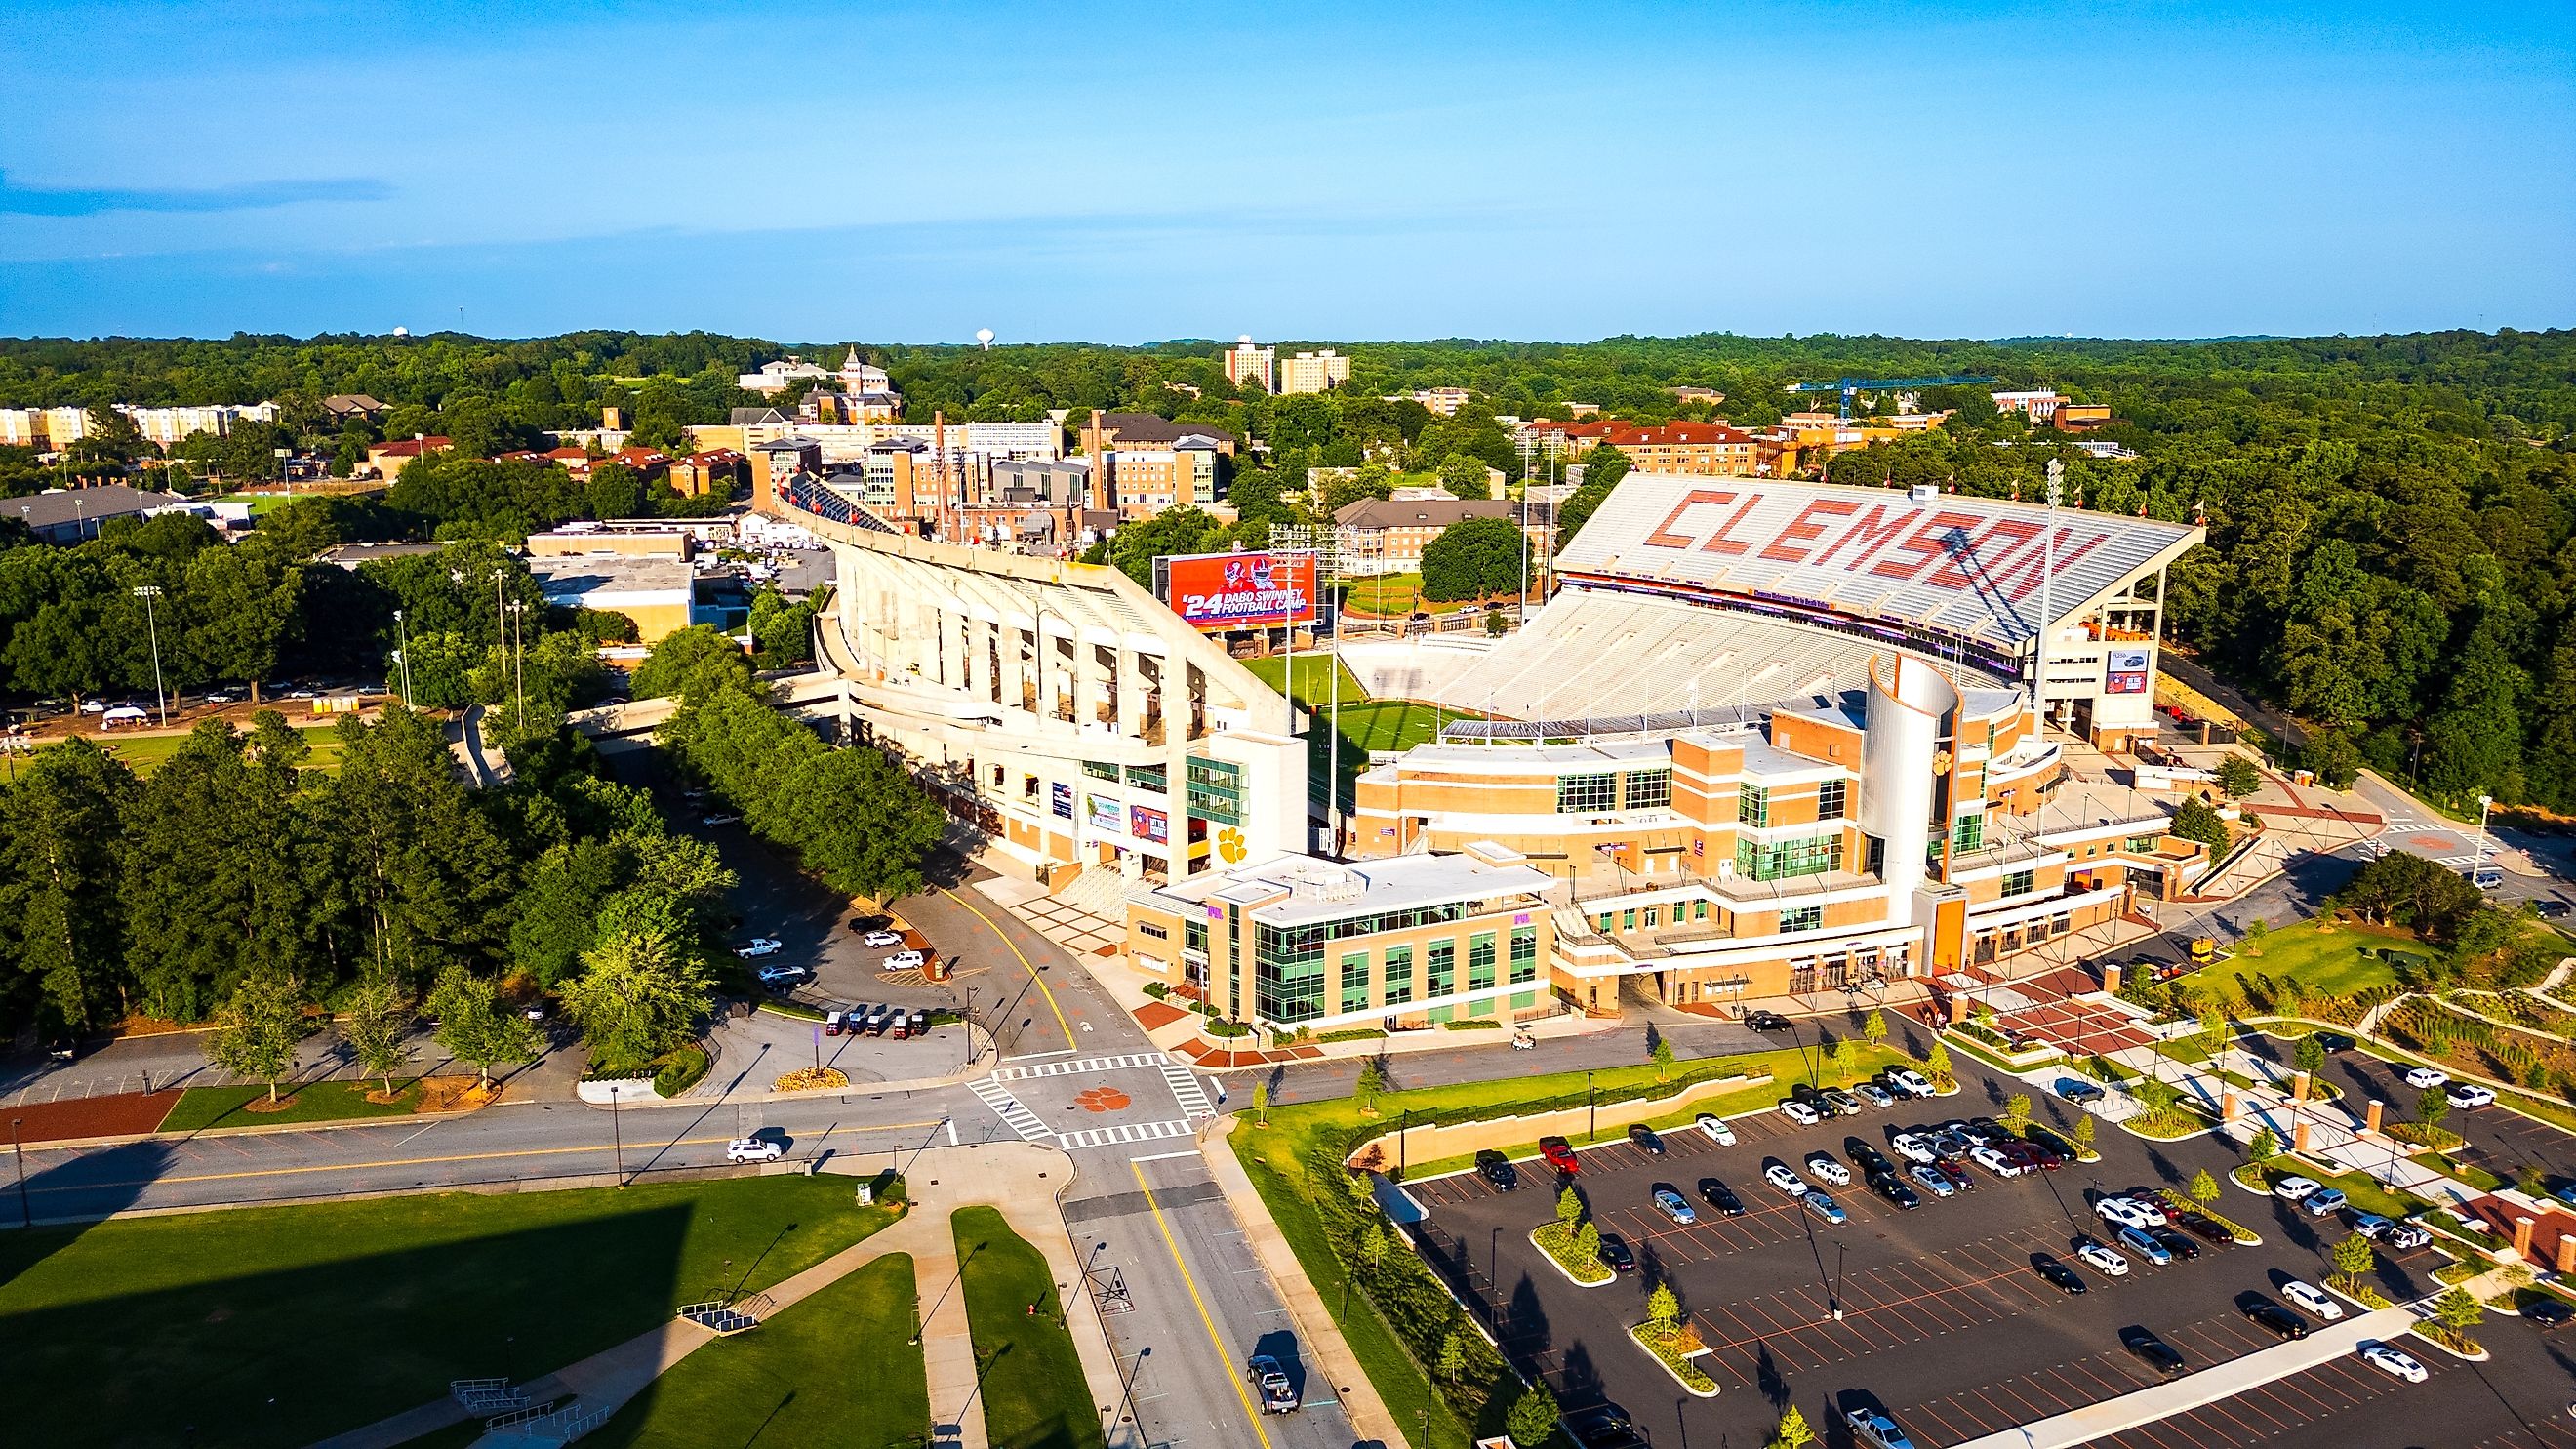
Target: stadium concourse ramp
1593	653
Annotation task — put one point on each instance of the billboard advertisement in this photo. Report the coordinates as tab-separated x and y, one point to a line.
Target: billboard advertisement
2125	672
1106	814
1148	824
1060	798
1215	591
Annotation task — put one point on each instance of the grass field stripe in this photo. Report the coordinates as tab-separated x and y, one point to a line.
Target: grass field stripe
1242	1395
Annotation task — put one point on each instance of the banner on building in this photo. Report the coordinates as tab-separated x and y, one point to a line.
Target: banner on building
2126	671
1215	591
1148	824
1060	798
1106	814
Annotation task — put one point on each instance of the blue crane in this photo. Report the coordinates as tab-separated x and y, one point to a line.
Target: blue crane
1847	386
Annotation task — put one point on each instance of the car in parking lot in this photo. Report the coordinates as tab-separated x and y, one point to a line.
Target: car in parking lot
2272	1318
759	946
2128	1212
2206	1228
1645	1137
1891	1187
2144	1244
1603	1426
1825	1207
719	817
2324	1203
1950	1146
1911	1147
1807	1093
1932	1179
1874	1094
2333	1041
1823	1165
1910	1082
2296	1189
1497	1169
1270	1382
783	974
898	1024
2403	1236
1716	1129
1843	1103
841	1022
754	1149
1781	1177
2066	1280
903	961
1994	1161
1558	1155
1957	1175
874	1023
1875	1430
882	938
1799	1112
2470	1095
2076	1090
1721	1197
1766	1021
2155	1352
1614	1251
2312	1299
1672	1205
920	1022
1866	1157
2422	1077
2176	1244
2393	1361
2101	1259
2547	1311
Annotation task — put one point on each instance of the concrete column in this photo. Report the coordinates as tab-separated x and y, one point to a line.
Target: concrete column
1131	690
2567	1253
2376	1107
2522	1236
2299	1087
2227	1105
2299	1136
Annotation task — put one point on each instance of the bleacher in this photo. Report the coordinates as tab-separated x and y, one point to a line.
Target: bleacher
1980	583
1592	654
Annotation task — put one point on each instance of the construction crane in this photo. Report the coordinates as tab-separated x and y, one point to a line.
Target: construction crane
1847	386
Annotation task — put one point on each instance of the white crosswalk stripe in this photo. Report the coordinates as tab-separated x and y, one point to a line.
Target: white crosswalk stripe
1077	1066
1014	1116
1187	1087
1123	1133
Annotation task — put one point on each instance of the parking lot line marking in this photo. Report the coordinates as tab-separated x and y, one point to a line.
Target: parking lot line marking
1224	1359
1029	966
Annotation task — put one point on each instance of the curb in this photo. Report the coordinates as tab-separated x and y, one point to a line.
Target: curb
1686	1385
1607	1277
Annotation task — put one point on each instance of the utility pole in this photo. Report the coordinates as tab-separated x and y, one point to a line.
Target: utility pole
402	655
519	658
147	593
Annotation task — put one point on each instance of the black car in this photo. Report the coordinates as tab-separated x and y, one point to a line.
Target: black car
2050	1140
1604	1426
1721	1197
1865	1157
2280	1322
2547	1311
1497	1169
1766	1021
2334	1041
2176	1244
1644	1136
1614	1251
2206	1228
1892	1188
2155	1352
2551	908
2066	1280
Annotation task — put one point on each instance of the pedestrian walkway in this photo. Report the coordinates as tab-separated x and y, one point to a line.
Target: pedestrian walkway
1187	1089
2336	1136
1079	1066
1014	1115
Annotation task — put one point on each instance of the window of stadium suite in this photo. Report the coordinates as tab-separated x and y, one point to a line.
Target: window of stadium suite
1832	798
2020	882
1786	859
1581	794
1646	789
1480	961
1802	918
1355	982
1194	936
1753	805
1969	833
1398	974
1524	954
1443	961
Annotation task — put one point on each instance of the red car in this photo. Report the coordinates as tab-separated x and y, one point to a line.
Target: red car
1559	1155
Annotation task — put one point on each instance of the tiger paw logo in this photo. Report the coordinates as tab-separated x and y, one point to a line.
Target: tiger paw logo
1102	1099
1229	846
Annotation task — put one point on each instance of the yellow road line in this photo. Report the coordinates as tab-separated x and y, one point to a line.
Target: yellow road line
425	1161
1223	1358
1030	966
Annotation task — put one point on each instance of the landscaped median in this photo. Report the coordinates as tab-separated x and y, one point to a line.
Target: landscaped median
1668	1336
1403	1316
203	1109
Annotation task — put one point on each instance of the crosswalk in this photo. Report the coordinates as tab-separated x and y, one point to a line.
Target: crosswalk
1188	1088
1123	1133
1014	1116
1079	1065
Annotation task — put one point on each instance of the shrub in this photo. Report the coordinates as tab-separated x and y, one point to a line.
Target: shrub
679	1071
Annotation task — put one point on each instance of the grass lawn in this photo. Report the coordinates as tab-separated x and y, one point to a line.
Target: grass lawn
1033	1391
834	1369
269	1326
146	753
1392	594
203	1107
1273	1158
1312	672
2329	961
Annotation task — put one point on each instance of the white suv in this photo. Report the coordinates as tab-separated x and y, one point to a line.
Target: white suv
2296	1189
753	1149
2128	1212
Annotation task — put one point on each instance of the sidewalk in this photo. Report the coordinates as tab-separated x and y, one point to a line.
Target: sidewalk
1315	1324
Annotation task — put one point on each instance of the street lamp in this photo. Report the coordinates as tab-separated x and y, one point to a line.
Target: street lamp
147	593
1591	1110
519	657
2485	804
616	1136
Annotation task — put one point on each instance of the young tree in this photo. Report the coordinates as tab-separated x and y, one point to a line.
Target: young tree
256	1031
1793	1432
477	1026
1663	1309
2204	1188
1844	1058
2017	1111
2255	931
1261	1104
2195	820
1371	1246
1452	1363
1663	1057
1532	1420
1937	1063
1874	1026
1569	1208
1371	1081
2264	1145
2431	1106
637	996
2156	1094
377	1025
2353	1257
2239	777
1587	1243
2084	1130
2459	1311
2310	1055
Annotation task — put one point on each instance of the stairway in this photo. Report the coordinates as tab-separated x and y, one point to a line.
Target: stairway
1099	891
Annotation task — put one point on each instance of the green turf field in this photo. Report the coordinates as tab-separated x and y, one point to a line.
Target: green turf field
1312	671
146	753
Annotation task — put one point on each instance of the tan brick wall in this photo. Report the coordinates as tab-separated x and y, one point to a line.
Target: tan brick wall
1431	1143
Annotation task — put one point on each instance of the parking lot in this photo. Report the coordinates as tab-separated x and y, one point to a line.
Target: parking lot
1937	1315
2499	1139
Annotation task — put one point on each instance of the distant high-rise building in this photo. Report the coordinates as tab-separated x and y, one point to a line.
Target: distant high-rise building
1245	363
1314	372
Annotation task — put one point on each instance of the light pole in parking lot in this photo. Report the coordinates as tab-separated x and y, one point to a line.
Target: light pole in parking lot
1591	1110
970	1026
152	626
617	1135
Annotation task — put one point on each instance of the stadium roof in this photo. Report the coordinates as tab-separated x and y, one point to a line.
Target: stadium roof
1964	567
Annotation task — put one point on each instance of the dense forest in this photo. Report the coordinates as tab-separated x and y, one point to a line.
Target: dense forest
2392	520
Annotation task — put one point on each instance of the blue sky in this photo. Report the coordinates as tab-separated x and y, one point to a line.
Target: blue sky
1124	173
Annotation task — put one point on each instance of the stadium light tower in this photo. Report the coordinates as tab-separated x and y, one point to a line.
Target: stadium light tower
2047	573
